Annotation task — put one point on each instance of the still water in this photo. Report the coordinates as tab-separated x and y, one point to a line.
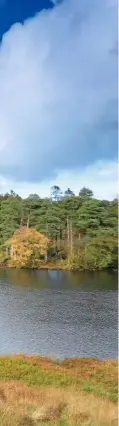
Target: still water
61	314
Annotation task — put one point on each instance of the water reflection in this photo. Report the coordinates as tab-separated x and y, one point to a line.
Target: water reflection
42	279
104	280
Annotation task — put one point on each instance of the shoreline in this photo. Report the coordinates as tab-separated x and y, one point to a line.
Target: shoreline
76	367
57	268
58	361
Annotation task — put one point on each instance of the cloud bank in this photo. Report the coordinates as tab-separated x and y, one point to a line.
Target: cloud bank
101	178
58	91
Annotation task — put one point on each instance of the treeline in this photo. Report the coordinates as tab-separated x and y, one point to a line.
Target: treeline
81	230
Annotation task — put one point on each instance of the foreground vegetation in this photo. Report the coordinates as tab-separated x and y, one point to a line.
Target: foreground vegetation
37	391
64	231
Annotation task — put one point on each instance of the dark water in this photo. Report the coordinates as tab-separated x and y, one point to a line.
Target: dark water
62	314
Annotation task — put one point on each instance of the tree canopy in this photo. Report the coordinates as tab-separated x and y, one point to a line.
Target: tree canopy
80	231
26	246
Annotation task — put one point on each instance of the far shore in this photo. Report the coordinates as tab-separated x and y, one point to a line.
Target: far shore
55	267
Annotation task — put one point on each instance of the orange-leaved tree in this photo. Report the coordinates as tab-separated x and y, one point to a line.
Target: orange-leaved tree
25	247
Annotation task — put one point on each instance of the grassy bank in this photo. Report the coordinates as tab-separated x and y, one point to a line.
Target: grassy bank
37	391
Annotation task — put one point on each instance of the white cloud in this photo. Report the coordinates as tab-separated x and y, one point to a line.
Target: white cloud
57	89
101	178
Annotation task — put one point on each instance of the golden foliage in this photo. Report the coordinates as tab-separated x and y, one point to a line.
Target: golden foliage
26	246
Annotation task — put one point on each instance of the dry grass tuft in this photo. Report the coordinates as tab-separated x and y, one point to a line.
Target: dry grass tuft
90	407
26	421
28	406
2	395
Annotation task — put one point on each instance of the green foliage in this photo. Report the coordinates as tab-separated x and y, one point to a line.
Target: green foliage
68	193
10	216
56	193
82	230
86	193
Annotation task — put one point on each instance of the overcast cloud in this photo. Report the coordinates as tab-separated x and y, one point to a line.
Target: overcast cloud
58	92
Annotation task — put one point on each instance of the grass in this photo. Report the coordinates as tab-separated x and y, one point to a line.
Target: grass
37	391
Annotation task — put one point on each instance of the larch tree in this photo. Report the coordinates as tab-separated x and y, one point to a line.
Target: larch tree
26	246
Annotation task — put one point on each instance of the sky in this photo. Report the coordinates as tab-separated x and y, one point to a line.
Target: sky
58	96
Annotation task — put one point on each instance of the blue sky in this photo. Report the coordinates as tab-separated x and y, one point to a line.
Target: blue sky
12	11
58	96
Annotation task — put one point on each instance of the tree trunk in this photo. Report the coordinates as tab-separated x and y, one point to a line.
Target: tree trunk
12	251
71	237
21	221
28	220
6	251
68	232
68	240
46	257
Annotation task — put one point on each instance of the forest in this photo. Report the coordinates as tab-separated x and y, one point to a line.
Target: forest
64	231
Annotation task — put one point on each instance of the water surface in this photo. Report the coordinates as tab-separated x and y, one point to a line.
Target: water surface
61	314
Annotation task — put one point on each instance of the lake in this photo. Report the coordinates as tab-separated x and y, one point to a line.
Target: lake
58	313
